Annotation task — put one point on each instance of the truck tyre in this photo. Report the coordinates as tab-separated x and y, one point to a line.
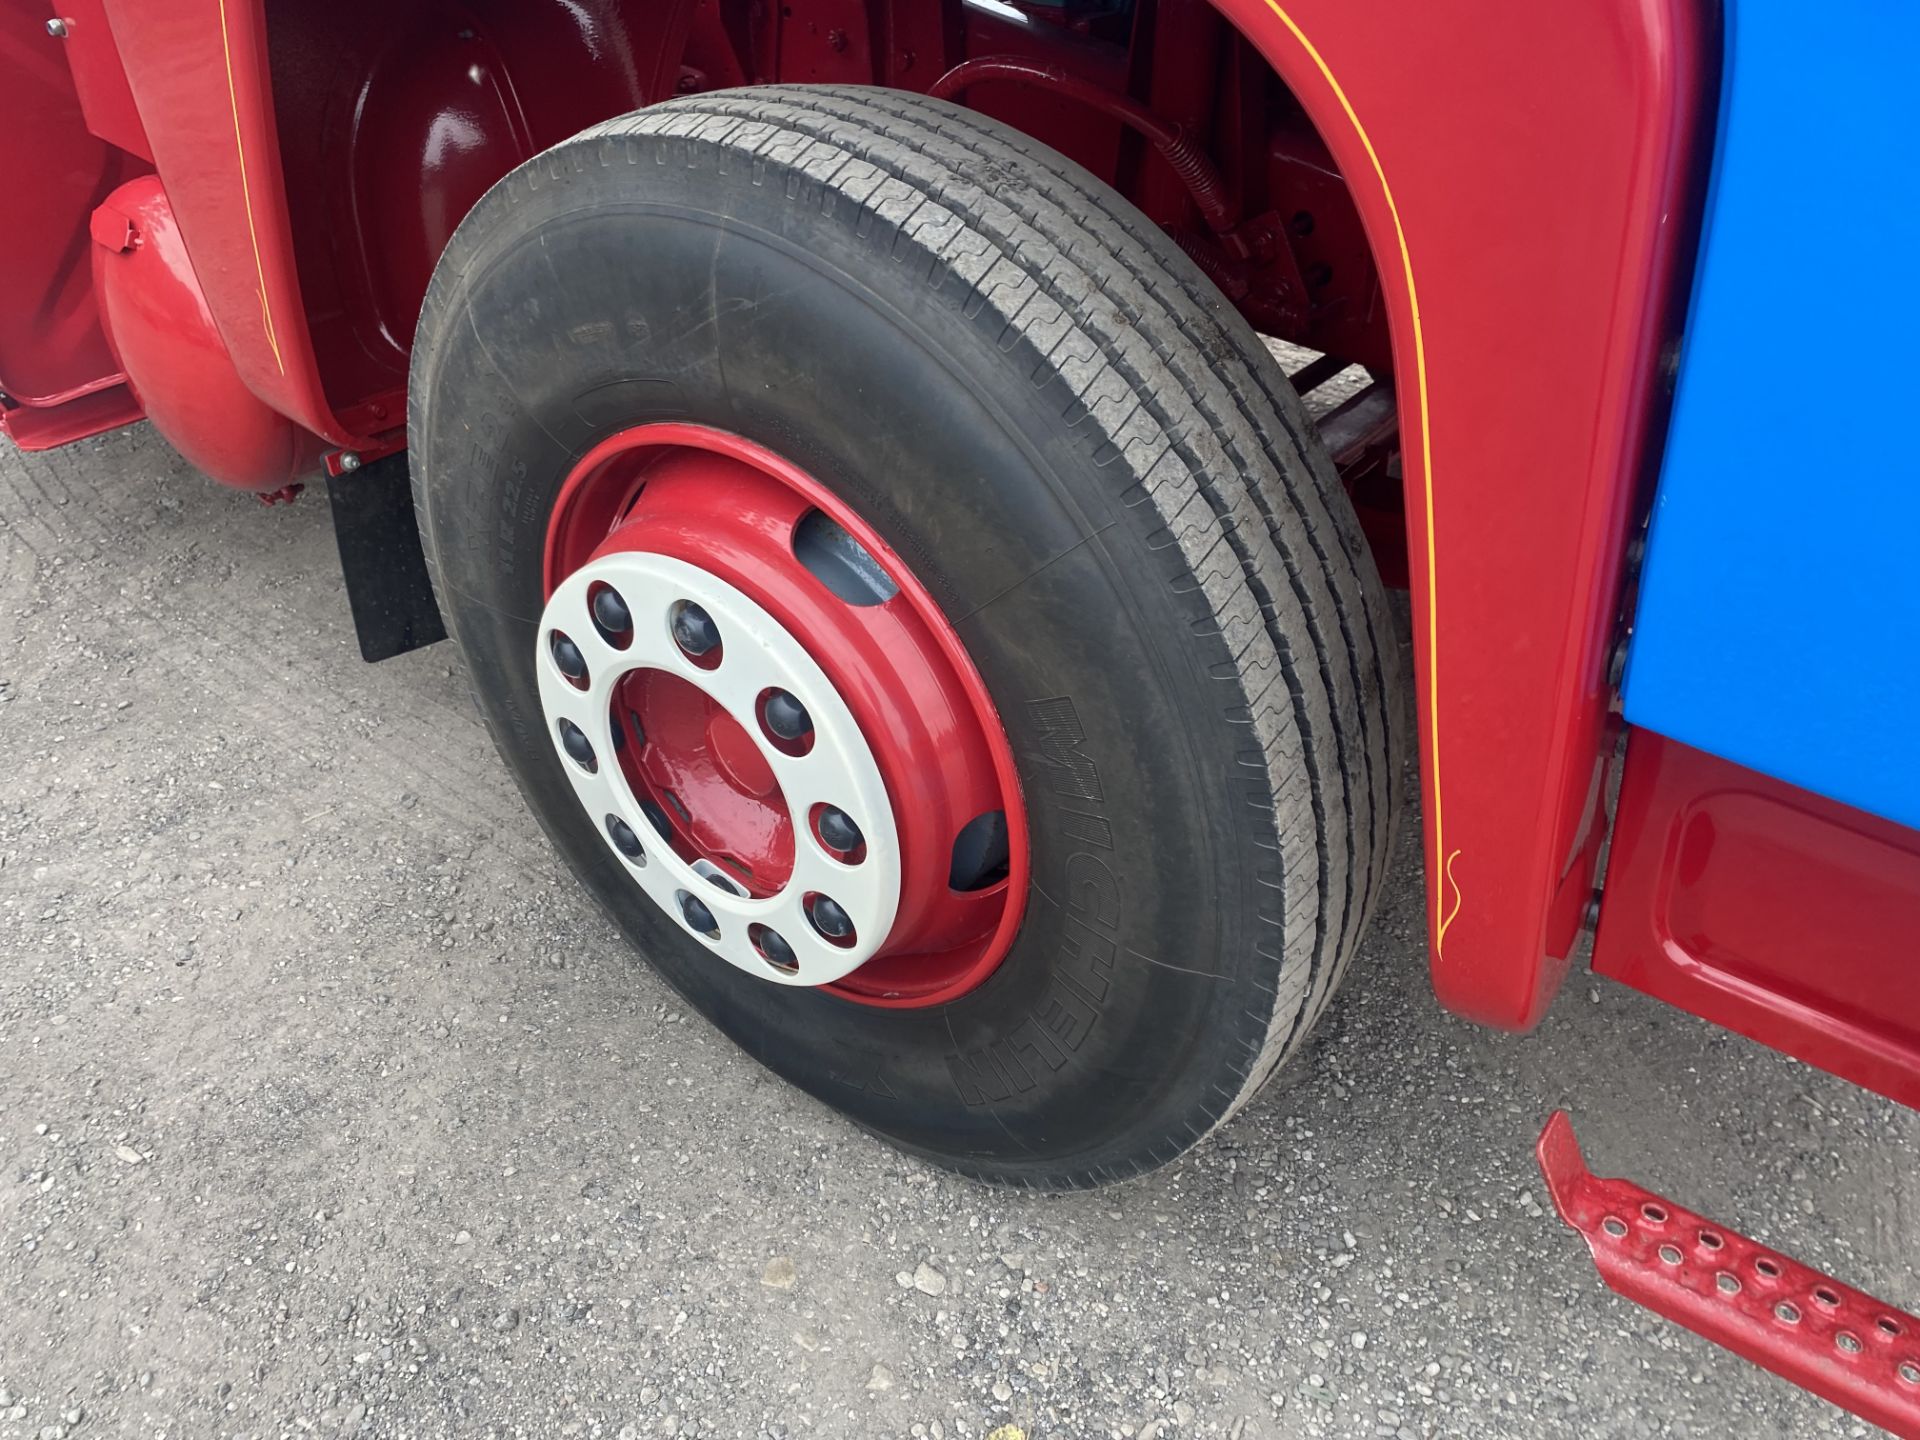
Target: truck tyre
920	612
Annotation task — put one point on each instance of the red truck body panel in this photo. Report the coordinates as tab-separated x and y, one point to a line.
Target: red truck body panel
1768	909
61	378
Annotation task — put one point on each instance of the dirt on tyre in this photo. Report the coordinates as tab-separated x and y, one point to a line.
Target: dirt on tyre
927	437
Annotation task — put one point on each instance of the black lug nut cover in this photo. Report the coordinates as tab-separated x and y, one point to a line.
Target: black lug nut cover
774	946
839	831
787	717
612	613
694	630
697	914
577	745
829	919
657	818
624	840
567	656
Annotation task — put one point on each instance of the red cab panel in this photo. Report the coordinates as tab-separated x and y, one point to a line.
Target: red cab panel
60	380
1768	909
106	100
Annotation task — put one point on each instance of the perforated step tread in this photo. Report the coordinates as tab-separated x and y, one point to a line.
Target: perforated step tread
1838	1342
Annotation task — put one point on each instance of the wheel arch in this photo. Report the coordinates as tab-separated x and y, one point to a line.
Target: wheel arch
1564	244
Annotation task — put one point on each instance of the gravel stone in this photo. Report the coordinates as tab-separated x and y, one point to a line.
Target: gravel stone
929	1281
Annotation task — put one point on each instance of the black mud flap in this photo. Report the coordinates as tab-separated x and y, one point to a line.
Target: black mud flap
386	570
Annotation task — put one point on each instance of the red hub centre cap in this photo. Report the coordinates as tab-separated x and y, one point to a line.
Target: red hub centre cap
773	724
738	757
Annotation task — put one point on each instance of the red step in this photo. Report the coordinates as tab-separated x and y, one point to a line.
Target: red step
1838	1342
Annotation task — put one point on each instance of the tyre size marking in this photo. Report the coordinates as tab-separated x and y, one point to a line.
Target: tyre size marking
1083	967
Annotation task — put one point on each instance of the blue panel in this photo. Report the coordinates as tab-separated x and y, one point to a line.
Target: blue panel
1779	619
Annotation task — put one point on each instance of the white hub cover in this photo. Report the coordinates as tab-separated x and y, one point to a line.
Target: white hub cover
757	655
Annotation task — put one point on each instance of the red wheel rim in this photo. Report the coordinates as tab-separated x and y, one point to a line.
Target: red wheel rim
758	523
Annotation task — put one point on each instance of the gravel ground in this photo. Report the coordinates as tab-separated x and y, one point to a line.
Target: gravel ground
328	1104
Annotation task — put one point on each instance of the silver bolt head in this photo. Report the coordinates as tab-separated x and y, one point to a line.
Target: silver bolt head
57	28
349	461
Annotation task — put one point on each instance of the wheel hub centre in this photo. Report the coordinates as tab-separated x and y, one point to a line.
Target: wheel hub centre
738	757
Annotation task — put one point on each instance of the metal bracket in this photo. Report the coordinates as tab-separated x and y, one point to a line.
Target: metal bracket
1838	1342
